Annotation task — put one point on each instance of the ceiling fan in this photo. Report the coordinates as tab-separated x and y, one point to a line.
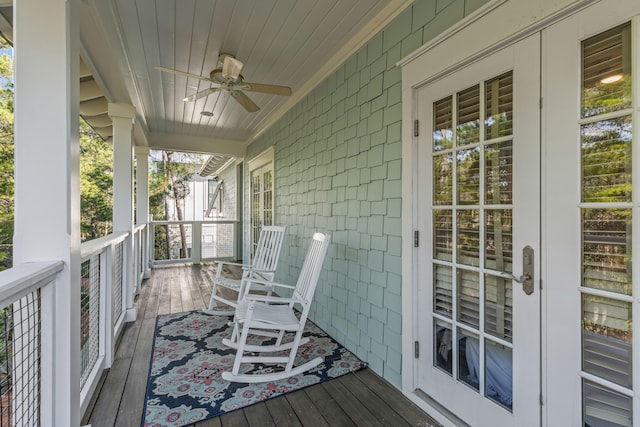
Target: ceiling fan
227	78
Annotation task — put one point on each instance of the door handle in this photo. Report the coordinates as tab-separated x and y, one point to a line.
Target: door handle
526	279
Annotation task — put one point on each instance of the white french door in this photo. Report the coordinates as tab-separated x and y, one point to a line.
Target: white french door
592	216
478	193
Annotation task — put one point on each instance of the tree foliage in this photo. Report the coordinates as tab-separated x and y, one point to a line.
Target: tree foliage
6	155
169	186
96	184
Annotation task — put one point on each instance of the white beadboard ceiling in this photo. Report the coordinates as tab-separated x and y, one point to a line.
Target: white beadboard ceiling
294	43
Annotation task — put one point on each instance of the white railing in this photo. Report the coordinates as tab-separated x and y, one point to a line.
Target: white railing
21	341
111	271
102	307
193	241
141	249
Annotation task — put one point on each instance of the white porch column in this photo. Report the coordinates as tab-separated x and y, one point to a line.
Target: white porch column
122	116
47	189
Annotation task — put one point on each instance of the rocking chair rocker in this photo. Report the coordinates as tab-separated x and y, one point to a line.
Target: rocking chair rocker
263	267
272	316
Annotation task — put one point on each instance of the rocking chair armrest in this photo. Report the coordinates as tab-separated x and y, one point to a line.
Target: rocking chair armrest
250	269
265	298
267	282
236	264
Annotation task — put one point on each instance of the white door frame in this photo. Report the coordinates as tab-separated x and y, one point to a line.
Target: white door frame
495	25
522	60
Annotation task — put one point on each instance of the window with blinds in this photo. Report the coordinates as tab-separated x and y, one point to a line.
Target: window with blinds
472	228
606	218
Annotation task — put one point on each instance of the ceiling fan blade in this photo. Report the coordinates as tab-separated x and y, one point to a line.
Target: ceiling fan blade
201	94
231	67
245	101
263	88
181	73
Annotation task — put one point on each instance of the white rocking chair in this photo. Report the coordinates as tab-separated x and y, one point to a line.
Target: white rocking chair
272	316
263	267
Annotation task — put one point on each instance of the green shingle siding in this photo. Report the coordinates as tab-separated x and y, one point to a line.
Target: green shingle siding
338	166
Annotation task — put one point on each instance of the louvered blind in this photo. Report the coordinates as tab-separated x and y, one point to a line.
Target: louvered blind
499	106
468	123
607	55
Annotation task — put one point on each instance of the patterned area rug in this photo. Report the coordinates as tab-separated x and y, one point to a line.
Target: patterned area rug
185	384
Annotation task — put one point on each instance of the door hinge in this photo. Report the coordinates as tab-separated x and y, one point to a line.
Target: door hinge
416	239
416	131
541	103
541	400
416	349
540	284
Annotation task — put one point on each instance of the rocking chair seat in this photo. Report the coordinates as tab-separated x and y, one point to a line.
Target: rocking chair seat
268	316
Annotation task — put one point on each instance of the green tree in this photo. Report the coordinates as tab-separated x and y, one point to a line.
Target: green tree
96	184
6	155
170	181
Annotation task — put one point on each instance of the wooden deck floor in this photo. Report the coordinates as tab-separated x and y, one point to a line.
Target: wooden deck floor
360	399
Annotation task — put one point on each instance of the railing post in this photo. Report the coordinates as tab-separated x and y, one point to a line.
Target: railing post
107	342
196	242
136	262
146	270
152	241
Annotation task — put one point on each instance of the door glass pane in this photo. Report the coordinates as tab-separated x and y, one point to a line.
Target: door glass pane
468	236
606	160
468	176
468	123
443	124
498	184
443	292
498	239
606	338
443	357
499	106
469	297
498	311
499	373
443	234
606	72
606	249
602	407
469	359
443	179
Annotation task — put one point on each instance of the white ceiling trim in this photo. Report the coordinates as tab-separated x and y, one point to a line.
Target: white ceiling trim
373	27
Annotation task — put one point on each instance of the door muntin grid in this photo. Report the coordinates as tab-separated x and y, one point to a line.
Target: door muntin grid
472	228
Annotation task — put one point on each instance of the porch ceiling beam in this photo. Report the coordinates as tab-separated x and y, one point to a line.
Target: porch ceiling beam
196	144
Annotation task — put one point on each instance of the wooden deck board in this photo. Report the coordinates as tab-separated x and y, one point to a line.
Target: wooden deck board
362	398
258	415
306	411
